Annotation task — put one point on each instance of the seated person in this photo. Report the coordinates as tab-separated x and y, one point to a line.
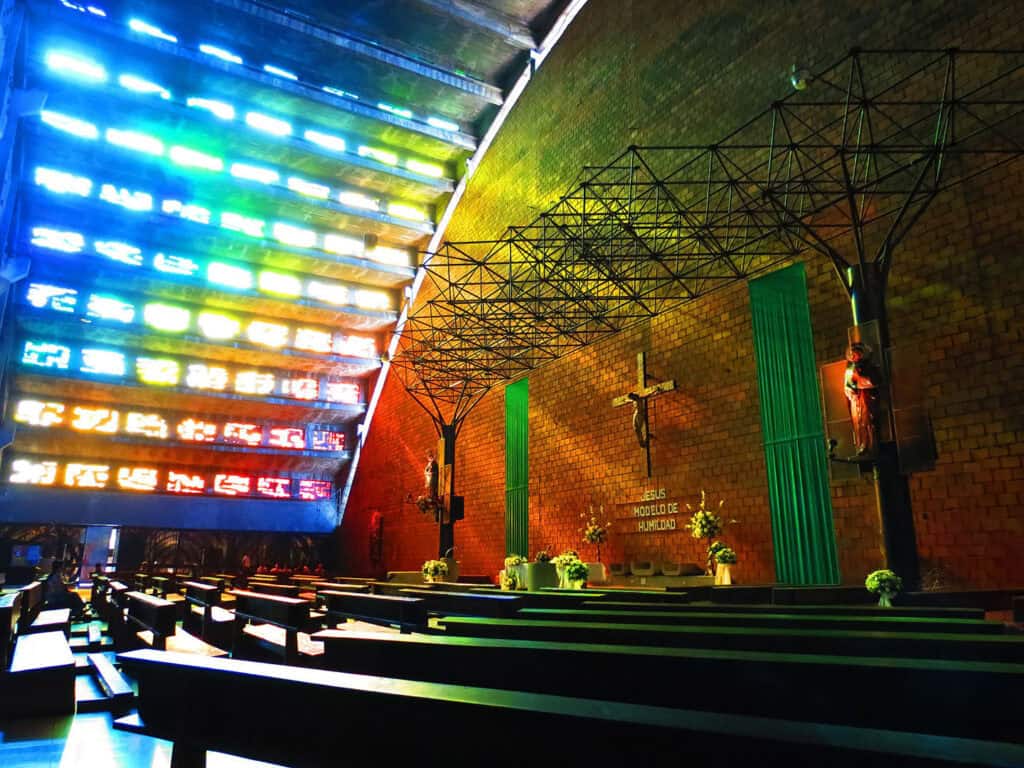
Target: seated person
57	594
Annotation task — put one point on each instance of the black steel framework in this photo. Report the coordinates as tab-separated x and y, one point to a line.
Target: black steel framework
844	169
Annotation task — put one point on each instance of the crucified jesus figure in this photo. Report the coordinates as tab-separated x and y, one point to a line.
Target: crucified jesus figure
640	426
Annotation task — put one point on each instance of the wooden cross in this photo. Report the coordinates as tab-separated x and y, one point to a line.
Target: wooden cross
639	400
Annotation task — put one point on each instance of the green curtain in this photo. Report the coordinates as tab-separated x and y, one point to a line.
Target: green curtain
791	421
517	467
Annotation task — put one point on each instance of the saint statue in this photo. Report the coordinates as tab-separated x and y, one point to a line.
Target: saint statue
430	477
861	383
640	427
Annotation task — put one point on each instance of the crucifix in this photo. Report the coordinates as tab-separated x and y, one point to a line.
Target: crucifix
639	400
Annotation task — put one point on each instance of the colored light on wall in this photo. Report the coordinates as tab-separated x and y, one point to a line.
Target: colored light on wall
244	224
141	85
287	437
57	239
229	275
95	419
166	317
444	125
400	111
197	431
339	92
155	370
144	28
190	212
232	485
358	200
185	483
254	173
63	183
297	237
313	340
325	140
329	293
175	265
343	245
76	66
215	325
93	476
220	53
380	155
137	478
308	188
355	346
243	434
279	283
43	295
374	300
403	211
219	109
267	334
268	124
45	355
425	169
190	158
314	490
38	413
151	425
25	472
68	124
118	251
139	142
325	440
110	308
133	200
200	376
272	70
398	257
301	388
274	487
105	362
254	383
342	392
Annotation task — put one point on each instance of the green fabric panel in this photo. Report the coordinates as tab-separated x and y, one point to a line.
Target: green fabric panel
793	429
517	467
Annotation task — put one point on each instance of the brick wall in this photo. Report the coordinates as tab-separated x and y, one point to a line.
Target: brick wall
657	72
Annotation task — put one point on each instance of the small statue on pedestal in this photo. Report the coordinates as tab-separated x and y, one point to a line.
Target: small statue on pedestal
861	383
430	476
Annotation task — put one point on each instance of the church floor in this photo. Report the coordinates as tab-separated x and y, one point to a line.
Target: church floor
89	741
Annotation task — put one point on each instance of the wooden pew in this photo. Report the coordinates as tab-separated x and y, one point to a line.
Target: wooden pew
407	613
269	627
609	604
157	619
766	684
273	588
467	603
352	580
204	617
779	619
52	620
1001	648
194	702
31	603
41	678
10	612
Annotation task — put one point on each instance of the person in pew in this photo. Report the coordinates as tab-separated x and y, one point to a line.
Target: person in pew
58	595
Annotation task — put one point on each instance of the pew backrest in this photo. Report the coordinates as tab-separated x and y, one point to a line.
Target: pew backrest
152	614
286	612
407	613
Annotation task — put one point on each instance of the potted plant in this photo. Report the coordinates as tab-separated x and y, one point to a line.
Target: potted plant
885	584
576	572
512	576
541	572
725	558
561	563
434	570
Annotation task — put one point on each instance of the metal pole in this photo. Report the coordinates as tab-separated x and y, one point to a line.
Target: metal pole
446	530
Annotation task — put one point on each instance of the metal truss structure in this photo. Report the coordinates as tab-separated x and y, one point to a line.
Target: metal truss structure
843	168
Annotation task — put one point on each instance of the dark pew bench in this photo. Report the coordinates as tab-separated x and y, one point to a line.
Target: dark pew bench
41	678
52	620
778	619
406	613
157	620
1001	648
268	627
193	702
844	610
204	618
273	588
31	604
626	595
352	579
10	612
467	603
100	584
750	683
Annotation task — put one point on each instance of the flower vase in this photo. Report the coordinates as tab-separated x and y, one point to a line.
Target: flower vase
428	579
885	600
577	583
563	582
723	574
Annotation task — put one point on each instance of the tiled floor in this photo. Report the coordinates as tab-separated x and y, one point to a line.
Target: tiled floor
89	741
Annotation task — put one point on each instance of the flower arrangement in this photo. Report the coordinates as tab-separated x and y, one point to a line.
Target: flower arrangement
595	532
885	584
508	580
563	560
513	560
707	524
542	556
434	569
725	555
576	570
